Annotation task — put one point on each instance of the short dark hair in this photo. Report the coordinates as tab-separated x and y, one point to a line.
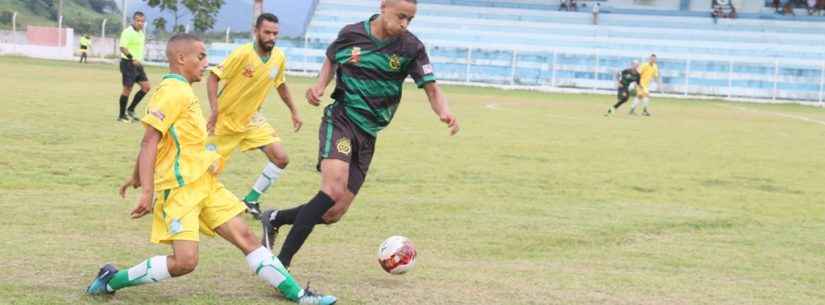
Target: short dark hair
184	37
652	55
265	16
138	13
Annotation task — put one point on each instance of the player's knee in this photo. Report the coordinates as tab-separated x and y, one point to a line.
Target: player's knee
183	265
281	161
146	88
336	192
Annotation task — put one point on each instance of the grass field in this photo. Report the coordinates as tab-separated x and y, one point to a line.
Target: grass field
539	200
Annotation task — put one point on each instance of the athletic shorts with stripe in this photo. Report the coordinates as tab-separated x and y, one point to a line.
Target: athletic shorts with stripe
339	138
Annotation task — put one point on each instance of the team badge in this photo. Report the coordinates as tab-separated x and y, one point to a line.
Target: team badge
157	114
356	55
344	146
273	73
248	71
395	63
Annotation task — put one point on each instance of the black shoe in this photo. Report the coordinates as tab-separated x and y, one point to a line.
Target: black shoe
253	208
131	115
270	231
123	119
98	286
646	113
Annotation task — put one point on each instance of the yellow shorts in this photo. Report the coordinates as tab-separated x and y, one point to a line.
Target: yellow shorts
641	91
252	138
201	206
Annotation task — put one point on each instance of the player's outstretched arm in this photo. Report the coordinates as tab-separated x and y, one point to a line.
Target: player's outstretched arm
133	181
286	97
146	171
212	95
438	102
315	92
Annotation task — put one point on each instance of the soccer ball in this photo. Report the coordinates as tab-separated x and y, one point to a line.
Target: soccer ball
396	255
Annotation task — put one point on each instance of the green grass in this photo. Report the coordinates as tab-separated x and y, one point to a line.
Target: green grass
539	200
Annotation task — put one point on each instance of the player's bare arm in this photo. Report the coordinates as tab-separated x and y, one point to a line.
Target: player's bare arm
438	102
286	97
315	93
146	168
212	95
133	181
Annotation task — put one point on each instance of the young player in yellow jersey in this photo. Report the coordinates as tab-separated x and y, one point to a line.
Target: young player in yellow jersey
249	73
174	170
648	71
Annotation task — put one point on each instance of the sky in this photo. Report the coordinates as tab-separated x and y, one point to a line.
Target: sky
237	14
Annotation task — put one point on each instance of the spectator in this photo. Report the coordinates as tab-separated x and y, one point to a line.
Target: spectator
811	7
716	12
776	5
573	6
596	8
563	6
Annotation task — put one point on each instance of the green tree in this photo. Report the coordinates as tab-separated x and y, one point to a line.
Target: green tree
159	24
203	13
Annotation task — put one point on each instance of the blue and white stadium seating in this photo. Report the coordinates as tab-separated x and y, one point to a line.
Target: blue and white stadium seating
530	43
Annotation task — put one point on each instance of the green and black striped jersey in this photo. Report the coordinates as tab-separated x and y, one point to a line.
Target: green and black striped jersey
628	76
371	73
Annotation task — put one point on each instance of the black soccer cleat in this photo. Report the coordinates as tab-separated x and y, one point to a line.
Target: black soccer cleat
253	208
131	114
270	232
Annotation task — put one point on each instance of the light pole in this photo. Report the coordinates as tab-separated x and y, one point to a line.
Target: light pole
14	27
60	24
124	14
103	33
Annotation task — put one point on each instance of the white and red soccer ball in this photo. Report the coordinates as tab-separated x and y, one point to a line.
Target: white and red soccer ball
396	255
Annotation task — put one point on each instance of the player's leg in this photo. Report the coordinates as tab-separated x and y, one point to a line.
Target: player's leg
222	213
639	95
128	80
143	81
334	192
645	105
154	269
266	139
175	221
621	97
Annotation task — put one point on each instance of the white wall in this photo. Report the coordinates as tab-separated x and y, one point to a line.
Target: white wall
646	4
64	52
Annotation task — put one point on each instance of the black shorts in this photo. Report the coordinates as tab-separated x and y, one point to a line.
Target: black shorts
339	138
131	73
623	94
83	48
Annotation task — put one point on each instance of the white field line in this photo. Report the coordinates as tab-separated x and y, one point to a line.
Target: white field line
779	114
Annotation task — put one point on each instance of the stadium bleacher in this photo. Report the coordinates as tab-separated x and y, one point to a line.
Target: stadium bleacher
531	43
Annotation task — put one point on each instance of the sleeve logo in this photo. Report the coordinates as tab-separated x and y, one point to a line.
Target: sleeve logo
156	113
355	58
427	69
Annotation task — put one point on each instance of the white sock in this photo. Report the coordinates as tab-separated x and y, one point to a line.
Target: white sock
151	270
270	174
269	268
634	104
645	103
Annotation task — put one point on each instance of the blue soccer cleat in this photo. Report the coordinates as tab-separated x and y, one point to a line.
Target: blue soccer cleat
98	286
312	298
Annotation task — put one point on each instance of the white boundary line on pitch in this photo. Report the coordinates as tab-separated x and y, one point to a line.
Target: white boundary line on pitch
779	114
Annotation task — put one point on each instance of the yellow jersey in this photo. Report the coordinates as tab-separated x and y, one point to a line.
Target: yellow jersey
175	111
648	71
248	79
